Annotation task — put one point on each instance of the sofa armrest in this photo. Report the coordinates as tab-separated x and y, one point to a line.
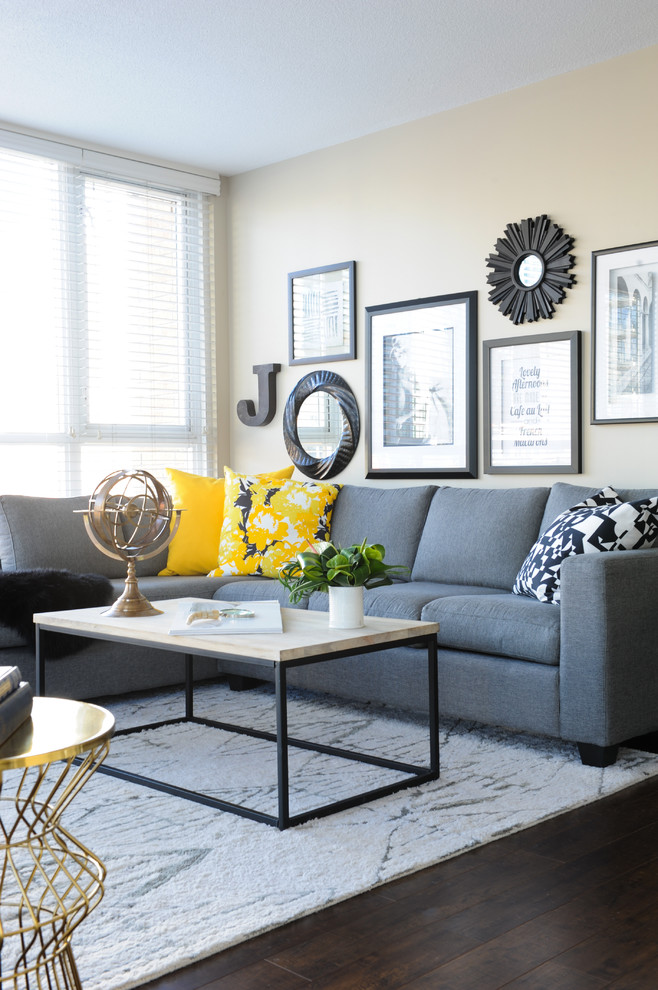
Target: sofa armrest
609	646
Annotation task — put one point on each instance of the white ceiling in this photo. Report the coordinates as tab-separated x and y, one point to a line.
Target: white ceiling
230	85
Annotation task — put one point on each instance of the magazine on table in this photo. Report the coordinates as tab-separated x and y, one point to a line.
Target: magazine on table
208	616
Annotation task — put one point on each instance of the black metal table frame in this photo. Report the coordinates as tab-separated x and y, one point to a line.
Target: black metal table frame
417	774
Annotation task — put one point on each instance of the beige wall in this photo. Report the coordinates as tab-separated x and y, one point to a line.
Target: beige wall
419	208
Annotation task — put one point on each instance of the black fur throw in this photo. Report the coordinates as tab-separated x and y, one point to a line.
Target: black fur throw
22	593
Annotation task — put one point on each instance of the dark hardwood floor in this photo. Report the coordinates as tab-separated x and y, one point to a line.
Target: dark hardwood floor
571	904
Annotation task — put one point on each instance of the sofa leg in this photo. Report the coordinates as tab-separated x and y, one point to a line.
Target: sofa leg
597	756
239	682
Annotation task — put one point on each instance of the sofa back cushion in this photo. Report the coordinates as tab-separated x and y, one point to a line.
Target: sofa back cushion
479	536
564	496
48	532
393	517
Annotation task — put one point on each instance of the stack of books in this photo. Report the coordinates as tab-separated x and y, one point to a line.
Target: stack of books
15	701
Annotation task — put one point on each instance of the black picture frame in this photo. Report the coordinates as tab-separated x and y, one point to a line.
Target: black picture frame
625	334
421	388
322	314
532	404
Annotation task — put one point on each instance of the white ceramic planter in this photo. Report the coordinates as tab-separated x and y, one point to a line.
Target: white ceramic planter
345	608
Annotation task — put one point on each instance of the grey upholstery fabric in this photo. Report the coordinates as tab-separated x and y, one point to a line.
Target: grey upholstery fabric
190	586
609	655
564	496
392	516
104	668
402	600
510	693
478	536
255	589
501	624
634	494
396	678
50	532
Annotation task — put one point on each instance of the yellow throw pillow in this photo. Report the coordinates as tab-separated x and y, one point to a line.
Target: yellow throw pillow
267	522
193	549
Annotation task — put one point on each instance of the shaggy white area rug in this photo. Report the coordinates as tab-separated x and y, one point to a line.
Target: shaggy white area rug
185	881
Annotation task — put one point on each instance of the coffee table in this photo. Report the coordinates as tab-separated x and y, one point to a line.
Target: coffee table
306	639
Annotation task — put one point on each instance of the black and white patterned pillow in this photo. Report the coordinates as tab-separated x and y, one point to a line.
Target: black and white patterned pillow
602	522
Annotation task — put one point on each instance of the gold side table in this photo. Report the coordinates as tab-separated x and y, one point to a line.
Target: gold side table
49	881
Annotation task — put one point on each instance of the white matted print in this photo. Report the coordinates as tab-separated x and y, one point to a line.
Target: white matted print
624	332
532	404
421	387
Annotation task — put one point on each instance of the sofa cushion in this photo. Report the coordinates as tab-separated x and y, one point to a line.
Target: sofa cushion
193	549
50	532
157	588
38	531
255	589
585	528
478	536
402	600
393	517
504	625
564	496
268	521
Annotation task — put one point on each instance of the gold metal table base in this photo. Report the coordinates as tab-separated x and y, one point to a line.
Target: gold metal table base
49	881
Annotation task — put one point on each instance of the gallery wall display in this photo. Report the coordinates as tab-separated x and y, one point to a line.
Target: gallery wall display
530	269
532	404
321	425
421	388
624	365
322	314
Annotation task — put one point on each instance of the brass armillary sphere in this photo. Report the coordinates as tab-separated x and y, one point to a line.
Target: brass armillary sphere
131	517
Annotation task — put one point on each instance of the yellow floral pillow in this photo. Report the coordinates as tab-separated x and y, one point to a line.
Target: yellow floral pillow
267	522
193	549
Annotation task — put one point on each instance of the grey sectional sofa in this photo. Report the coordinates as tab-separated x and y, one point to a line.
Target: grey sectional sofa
584	671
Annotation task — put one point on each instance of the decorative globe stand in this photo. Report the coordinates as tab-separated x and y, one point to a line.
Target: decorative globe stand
131	517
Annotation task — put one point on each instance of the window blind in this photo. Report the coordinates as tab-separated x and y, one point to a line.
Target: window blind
108	326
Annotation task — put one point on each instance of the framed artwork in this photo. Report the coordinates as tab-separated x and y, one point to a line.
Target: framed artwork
421	388
624	365
321	314
532	404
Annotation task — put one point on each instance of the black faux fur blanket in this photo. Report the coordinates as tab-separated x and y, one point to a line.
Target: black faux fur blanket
22	593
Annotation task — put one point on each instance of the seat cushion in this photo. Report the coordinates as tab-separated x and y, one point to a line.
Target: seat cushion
256	589
478	536
503	625
404	600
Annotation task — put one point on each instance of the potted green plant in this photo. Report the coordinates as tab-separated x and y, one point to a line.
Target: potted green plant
326	567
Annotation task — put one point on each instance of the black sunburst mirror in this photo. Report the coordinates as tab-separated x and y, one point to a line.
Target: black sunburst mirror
530	269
